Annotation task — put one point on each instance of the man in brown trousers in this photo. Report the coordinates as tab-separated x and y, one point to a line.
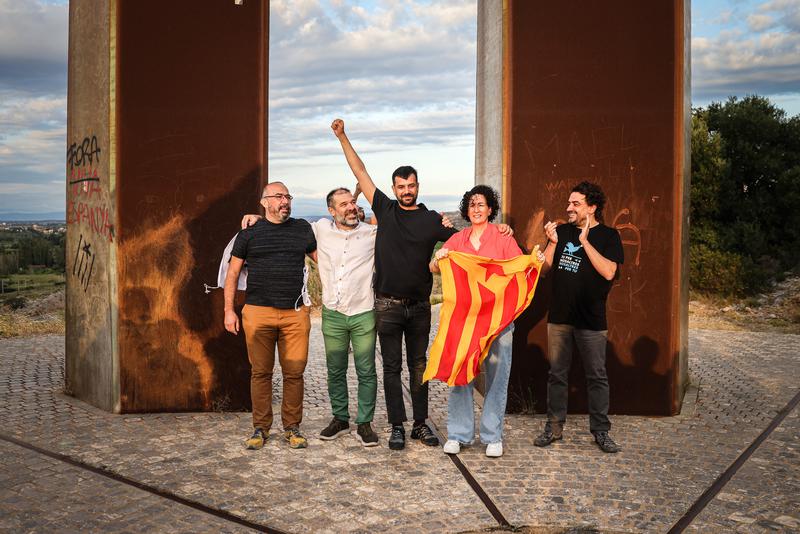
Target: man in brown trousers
274	249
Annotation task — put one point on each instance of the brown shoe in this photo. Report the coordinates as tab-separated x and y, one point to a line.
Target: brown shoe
295	439
546	438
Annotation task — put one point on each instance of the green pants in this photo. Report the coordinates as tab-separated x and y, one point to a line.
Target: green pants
339	330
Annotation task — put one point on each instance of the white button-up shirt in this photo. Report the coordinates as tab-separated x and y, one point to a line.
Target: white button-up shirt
346	260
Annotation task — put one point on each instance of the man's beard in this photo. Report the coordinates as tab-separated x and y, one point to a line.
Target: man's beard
343	219
283	216
408	200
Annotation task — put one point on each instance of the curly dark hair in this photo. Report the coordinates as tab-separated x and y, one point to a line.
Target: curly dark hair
491	200
594	197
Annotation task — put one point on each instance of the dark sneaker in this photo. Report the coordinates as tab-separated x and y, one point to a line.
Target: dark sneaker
366	435
397	440
295	439
335	428
605	442
425	435
546	438
256	441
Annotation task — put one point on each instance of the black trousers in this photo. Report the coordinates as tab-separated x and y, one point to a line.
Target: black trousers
397	320
591	346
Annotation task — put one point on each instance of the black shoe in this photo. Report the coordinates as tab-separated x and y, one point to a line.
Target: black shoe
605	442
425	435
366	435
335	428
546	438
397	440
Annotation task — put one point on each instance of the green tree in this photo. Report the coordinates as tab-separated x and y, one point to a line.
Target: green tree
745	192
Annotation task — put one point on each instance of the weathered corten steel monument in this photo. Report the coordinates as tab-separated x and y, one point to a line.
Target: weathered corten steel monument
167	129
599	91
167	147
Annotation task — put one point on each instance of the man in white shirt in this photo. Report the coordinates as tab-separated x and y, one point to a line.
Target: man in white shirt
346	259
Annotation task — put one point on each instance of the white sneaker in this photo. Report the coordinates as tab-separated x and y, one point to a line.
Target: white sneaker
494	450
452	447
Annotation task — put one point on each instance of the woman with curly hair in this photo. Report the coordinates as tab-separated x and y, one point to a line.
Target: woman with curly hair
480	206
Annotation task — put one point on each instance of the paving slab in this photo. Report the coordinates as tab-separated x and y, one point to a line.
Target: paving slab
741	382
336	486
42	494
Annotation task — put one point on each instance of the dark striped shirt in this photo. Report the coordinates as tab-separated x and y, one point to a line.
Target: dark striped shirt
275	256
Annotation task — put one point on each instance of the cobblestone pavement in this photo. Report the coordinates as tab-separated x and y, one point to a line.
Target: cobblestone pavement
42	494
743	380
666	463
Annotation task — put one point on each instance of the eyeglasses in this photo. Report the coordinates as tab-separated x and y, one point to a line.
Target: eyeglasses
279	196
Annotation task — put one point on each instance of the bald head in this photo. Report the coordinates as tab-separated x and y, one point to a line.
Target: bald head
277	202
275	187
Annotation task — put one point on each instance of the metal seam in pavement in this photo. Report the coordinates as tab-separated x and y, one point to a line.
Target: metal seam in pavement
227	516
706	497
465	472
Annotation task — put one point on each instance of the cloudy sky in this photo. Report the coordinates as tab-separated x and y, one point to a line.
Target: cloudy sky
334	58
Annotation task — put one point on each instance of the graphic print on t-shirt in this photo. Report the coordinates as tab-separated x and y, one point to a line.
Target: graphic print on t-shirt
569	260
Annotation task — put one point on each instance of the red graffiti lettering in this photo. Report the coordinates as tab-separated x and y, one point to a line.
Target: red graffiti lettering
96	218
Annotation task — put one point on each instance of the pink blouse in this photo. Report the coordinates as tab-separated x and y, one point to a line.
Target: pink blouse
493	244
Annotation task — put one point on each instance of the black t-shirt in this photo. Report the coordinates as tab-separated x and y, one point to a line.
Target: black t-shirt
275	256
579	292
403	247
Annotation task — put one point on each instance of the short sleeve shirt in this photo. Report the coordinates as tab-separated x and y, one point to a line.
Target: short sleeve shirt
403	248
275	256
579	291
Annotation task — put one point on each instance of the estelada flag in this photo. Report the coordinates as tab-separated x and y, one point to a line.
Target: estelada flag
481	297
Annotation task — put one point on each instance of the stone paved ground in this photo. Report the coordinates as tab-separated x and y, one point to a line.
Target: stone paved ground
667	462
41	494
743	380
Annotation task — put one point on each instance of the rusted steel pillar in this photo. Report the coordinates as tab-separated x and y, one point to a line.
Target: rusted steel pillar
167	146
597	91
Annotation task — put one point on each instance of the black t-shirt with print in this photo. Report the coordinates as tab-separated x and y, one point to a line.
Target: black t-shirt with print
579	291
275	256
403	247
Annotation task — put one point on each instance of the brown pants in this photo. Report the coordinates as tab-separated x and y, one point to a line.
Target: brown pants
265	326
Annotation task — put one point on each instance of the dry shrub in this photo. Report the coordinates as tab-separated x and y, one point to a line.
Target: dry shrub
40	316
16	323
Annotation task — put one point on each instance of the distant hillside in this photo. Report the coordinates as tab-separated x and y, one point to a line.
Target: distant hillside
52	216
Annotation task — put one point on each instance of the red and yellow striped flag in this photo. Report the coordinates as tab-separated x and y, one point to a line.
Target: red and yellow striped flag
481	297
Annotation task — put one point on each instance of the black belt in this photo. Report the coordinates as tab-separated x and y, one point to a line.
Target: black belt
405	302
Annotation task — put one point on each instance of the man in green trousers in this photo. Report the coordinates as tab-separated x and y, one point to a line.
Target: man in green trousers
346	259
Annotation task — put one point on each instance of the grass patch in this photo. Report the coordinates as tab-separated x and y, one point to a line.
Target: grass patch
29	286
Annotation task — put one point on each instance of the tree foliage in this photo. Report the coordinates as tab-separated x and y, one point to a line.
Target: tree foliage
745	190
20	250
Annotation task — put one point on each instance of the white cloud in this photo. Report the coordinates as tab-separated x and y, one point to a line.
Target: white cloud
33	30
764	60
759	22
401	74
32	135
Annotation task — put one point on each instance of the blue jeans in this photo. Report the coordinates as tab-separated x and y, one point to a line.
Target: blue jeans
496	369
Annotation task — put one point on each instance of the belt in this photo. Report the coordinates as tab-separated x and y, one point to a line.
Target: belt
405	302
